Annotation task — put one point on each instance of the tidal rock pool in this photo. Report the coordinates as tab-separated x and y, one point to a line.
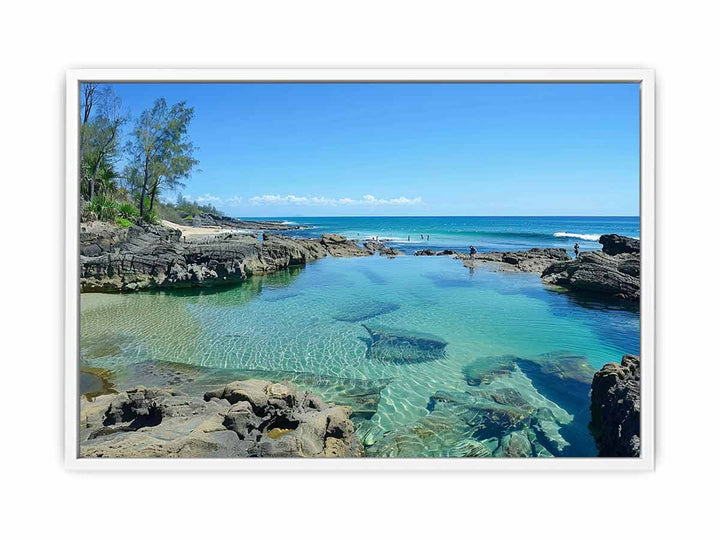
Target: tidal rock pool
433	359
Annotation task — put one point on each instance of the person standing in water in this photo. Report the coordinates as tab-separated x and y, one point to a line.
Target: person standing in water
577	249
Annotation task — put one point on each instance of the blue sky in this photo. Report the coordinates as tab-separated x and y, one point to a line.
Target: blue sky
409	149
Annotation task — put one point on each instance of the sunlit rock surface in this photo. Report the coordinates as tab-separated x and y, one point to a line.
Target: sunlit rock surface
251	418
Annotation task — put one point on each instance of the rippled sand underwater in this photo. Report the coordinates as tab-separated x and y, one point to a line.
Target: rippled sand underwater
435	360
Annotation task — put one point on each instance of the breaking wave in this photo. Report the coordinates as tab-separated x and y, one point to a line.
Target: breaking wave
589	237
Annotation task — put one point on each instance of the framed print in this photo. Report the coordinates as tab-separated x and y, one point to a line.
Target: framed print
360	269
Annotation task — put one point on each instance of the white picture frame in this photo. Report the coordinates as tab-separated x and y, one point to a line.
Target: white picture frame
644	77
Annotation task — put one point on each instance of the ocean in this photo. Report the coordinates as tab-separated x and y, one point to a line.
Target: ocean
485	233
417	390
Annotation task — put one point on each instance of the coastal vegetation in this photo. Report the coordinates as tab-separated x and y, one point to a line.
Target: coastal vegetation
124	174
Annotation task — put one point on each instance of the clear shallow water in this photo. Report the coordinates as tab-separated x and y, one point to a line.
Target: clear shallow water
311	320
485	233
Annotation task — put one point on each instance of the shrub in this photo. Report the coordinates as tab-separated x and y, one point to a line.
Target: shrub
122	222
105	208
151	217
128	211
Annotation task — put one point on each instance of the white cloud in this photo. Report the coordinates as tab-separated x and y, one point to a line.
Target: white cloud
234	201
365	200
207	198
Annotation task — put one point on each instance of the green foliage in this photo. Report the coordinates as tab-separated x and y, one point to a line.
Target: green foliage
151	217
161	153
105	208
183	211
122	222
100	148
190	208
128	210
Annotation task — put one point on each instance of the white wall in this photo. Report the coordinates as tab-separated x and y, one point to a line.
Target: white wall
38	42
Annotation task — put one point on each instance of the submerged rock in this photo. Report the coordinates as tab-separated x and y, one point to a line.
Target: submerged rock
361	311
486	370
505	418
596	272
252	418
615	408
562	376
403	346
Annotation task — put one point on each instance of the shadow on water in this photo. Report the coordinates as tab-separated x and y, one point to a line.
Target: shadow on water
449	280
235	294
608	318
373	276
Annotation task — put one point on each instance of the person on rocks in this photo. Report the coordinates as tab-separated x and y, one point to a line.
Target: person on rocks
577	249
473	251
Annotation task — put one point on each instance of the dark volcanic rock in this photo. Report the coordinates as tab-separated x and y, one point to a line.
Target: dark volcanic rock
150	256
615	276
614	244
251	418
339	246
615	408
425	253
374	246
211	220
533	260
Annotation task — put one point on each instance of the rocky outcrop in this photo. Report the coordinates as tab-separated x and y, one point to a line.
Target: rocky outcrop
433	253
212	220
250	418
425	253
614	244
615	408
534	260
596	272
339	246
375	246
151	256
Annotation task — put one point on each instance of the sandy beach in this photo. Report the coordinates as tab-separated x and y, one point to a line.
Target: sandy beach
188	231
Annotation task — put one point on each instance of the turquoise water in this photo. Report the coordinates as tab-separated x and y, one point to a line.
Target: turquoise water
313	321
485	233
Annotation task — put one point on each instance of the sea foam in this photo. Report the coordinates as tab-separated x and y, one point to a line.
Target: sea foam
590	237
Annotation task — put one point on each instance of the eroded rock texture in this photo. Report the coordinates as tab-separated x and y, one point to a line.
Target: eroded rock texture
151	256
596	272
251	418
533	260
615	408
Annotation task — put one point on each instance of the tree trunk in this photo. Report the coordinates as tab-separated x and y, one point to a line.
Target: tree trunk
152	195
143	192
93	179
